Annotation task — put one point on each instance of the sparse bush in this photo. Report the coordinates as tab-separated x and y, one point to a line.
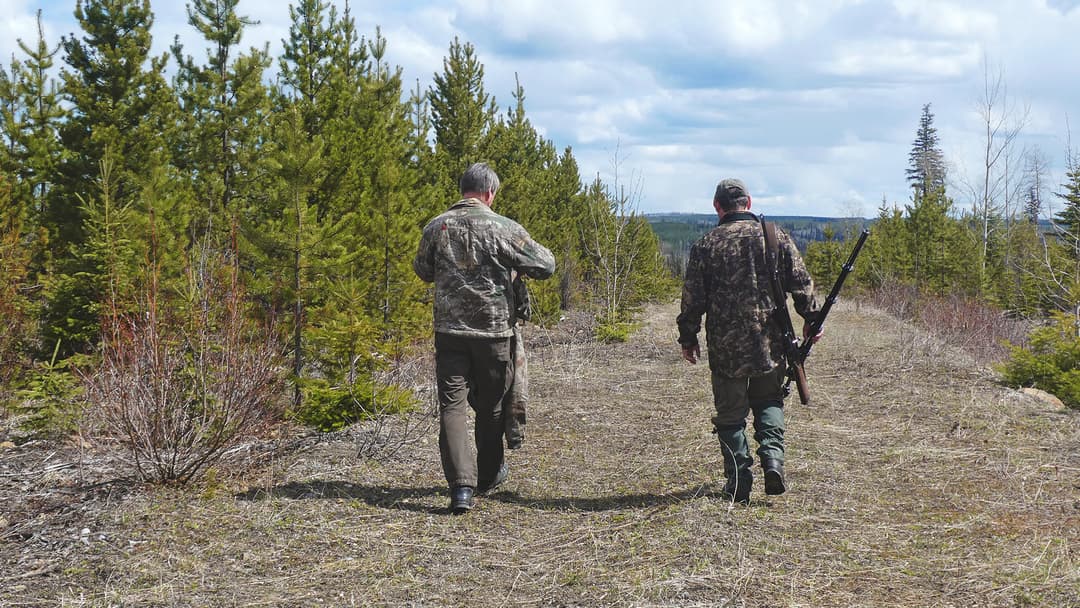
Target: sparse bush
615	331
959	320
1051	362
180	389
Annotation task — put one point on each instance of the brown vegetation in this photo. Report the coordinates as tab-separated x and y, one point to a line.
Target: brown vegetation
915	481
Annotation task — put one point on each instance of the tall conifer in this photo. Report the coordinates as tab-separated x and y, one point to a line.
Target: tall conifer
224	102
120	109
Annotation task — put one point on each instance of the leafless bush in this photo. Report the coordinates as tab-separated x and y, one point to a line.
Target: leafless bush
180	388
978	328
388	430
898	299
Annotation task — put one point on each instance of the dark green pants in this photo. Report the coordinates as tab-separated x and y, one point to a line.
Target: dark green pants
485	366
735	398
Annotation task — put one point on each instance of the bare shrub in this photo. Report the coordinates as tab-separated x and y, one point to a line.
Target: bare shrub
179	389
959	320
975	327
389	429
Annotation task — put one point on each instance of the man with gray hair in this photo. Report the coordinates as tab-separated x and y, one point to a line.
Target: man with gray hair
728	280
471	254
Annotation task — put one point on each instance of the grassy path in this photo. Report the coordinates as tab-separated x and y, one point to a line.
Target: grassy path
914	481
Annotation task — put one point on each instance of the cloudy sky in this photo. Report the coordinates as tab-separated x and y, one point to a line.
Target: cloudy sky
814	103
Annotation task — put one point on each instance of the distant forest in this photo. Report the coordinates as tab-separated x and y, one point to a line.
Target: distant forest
678	231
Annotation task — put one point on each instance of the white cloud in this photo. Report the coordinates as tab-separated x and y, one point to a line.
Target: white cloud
900	59
814	102
950	19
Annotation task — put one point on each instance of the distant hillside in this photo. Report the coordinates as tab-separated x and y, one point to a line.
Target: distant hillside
678	231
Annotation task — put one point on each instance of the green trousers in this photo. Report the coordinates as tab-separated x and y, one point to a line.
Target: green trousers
735	399
483	367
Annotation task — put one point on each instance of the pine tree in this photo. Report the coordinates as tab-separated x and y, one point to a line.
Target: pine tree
462	113
305	67
570	208
389	222
926	170
38	140
1069	217
16	311
289	240
119	119
119	102
888	258
225	103
102	276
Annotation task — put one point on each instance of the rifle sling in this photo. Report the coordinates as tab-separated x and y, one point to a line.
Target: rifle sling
772	260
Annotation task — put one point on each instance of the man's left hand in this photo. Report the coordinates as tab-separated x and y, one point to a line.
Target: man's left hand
691	353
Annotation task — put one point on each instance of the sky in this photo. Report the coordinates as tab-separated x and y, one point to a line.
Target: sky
814	104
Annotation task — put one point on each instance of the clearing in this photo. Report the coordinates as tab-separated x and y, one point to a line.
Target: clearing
914	480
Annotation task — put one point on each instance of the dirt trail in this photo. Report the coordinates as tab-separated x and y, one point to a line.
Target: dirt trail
914	481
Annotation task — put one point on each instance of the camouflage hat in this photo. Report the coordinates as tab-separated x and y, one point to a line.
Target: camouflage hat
731	193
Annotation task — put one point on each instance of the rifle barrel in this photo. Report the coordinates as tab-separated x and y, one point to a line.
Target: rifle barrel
819	321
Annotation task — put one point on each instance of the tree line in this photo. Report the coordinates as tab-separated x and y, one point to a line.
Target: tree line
996	249
996	253
235	197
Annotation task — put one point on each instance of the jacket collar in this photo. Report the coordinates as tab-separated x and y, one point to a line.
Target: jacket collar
469	202
738	216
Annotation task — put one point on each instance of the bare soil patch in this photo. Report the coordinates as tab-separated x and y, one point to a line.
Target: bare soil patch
914	481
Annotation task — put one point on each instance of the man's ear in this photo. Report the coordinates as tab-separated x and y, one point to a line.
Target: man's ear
716	205
748	201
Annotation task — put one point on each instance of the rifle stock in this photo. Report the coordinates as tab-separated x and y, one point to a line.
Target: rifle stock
797	372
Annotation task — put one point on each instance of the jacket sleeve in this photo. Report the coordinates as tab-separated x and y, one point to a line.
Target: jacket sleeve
529	257
694	298
424	262
797	278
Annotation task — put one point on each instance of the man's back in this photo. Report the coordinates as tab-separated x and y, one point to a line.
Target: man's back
468	252
727	279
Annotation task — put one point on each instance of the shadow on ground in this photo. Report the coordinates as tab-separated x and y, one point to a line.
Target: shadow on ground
406	498
614	502
386	497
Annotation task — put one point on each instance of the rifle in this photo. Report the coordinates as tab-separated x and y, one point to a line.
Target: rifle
794	352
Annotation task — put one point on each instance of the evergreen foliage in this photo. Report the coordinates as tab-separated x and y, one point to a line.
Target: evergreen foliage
1051	362
926	170
125	193
462	112
16	307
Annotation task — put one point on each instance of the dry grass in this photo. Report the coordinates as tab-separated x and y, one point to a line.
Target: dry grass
915	481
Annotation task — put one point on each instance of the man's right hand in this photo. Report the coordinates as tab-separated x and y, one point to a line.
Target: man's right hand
691	353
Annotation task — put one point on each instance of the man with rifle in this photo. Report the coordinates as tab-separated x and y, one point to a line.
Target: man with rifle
729	280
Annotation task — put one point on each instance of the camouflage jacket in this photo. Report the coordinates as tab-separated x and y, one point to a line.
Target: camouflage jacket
727	280
468	252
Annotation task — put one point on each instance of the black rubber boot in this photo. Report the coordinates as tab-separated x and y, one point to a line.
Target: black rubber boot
774	477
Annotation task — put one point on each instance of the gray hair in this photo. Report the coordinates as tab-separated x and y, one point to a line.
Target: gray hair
479	177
